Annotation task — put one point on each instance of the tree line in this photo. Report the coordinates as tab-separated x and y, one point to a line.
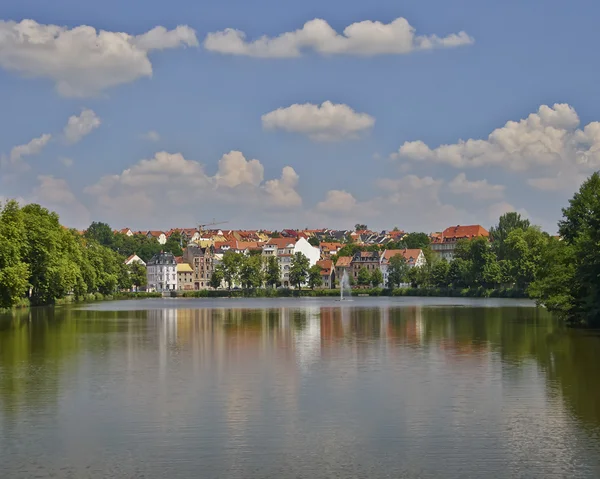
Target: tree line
42	262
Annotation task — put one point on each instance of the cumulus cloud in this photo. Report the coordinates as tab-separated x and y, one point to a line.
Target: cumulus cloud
55	194
34	147
337	201
80	126
366	38
83	61
479	190
548	138
496	210
325	122
172	185
151	136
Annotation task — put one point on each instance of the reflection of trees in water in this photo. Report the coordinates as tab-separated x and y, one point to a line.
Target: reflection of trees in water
36	346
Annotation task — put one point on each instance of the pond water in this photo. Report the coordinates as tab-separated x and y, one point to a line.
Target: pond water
298	388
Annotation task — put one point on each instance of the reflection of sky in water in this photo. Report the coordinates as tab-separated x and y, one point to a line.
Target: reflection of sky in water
303	389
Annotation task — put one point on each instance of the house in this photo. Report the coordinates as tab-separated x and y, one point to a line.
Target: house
327	273
368	260
161	273
158	236
185	277
329	248
134	258
202	262
285	249
126	232
342	265
413	257
444	244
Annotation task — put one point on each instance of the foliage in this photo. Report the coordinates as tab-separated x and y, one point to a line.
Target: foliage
416	241
137	274
397	271
376	278
101	233
273	272
299	269
216	278
251	271
507	223
360	227
439	274
314	241
230	266
364	277
13	269
314	276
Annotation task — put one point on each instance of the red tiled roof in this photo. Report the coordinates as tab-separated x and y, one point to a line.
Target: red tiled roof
282	242
463	232
407	253
330	246
178	259
326	266
343	262
156	234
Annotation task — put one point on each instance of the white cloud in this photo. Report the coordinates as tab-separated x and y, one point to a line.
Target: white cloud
548	138
337	201
479	190
496	210
325	122
56	195
79	126
68	162
366	38
171	185
151	136
34	147
82	61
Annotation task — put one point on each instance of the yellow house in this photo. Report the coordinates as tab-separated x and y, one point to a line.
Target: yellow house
185	280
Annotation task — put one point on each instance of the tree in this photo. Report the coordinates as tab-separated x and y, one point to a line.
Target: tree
314	241
216	278
376	278
397	271
459	273
13	270
498	234
299	269
230	267
364	277
174	244
273	272
573	286
137	272
416	240
360	227
439	273
250	271
314	276
101	233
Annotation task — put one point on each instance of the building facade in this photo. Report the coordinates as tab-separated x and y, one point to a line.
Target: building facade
185	277
202	262
413	257
161	273
444	244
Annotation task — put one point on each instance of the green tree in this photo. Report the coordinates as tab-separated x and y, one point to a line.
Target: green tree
360	227
101	233
314	276
459	273
397	271
314	241
416	241
137	272
376	278
231	267
574	288
507	223
273	272
439	273
216	278
250	271
14	272
299	269
364	277
174	244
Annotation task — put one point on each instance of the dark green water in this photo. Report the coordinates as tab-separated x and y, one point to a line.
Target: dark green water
298	388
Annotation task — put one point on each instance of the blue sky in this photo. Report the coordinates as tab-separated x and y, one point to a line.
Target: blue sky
315	168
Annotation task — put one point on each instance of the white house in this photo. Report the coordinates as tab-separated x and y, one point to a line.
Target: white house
134	258
413	257
311	252
161	273
158	236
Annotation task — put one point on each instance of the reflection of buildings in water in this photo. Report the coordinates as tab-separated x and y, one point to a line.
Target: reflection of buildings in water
308	339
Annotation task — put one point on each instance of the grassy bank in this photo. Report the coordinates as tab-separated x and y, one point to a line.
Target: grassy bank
289	293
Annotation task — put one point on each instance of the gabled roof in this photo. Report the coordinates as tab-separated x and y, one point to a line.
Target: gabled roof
343	262
388	254
330	246
326	266
155	234
282	242
464	232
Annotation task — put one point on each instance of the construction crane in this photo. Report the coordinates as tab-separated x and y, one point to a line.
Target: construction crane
214	223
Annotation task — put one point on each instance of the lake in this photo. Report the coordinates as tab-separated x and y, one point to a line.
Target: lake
298	388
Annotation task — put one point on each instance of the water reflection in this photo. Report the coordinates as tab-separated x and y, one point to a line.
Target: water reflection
383	389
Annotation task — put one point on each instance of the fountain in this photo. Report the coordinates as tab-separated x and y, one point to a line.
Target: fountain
345	286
